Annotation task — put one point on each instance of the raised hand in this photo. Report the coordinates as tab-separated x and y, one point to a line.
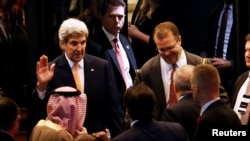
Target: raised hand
44	72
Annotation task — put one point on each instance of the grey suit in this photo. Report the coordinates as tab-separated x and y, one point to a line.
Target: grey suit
151	73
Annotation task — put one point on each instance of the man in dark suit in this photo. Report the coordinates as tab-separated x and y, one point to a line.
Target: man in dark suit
230	63
156	71
240	86
140	102
9	119
214	113
94	75
112	19
185	111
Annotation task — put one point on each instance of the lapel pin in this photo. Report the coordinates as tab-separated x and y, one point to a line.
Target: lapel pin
92	69
127	46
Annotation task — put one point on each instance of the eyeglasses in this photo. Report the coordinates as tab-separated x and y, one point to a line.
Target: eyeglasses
168	49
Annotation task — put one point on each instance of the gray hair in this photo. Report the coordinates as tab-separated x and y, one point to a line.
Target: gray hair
72	28
182	77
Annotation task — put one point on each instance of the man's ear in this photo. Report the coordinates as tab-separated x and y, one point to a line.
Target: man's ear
62	45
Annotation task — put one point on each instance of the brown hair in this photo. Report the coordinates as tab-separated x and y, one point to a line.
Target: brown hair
163	29
247	38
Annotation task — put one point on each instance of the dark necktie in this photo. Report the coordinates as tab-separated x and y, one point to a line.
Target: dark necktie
223	25
172	96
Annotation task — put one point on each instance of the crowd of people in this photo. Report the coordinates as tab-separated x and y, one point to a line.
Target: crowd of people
92	91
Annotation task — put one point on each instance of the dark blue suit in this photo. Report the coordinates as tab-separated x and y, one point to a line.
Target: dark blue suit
153	131
106	52
101	106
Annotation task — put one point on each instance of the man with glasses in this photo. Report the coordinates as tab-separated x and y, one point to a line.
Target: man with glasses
156	72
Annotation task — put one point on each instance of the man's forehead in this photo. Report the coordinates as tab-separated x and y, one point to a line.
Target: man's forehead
116	10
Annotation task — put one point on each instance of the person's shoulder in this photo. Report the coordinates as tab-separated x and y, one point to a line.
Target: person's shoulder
195	59
151	62
93	57
189	54
170	124
173	128
90	57
5	137
244	74
58	58
132	134
123	36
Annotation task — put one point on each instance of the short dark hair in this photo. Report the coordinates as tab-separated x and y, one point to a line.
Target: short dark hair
140	102
107	3
9	112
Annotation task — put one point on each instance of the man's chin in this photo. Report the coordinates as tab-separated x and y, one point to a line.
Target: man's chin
78	58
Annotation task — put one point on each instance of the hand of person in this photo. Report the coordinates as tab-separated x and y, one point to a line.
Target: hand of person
44	72
83	131
221	63
133	31
101	136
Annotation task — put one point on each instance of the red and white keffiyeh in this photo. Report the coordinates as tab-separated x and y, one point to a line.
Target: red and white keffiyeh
67	111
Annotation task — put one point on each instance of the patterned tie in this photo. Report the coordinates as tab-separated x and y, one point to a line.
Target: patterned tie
223	25
245	115
172	96
120	59
77	77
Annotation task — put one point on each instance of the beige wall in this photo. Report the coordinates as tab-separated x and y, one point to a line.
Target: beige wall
131	6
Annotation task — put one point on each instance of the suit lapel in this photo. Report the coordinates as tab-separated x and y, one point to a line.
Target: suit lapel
63	69
104	41
128	49
112	54
238	85
89	74
159	88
